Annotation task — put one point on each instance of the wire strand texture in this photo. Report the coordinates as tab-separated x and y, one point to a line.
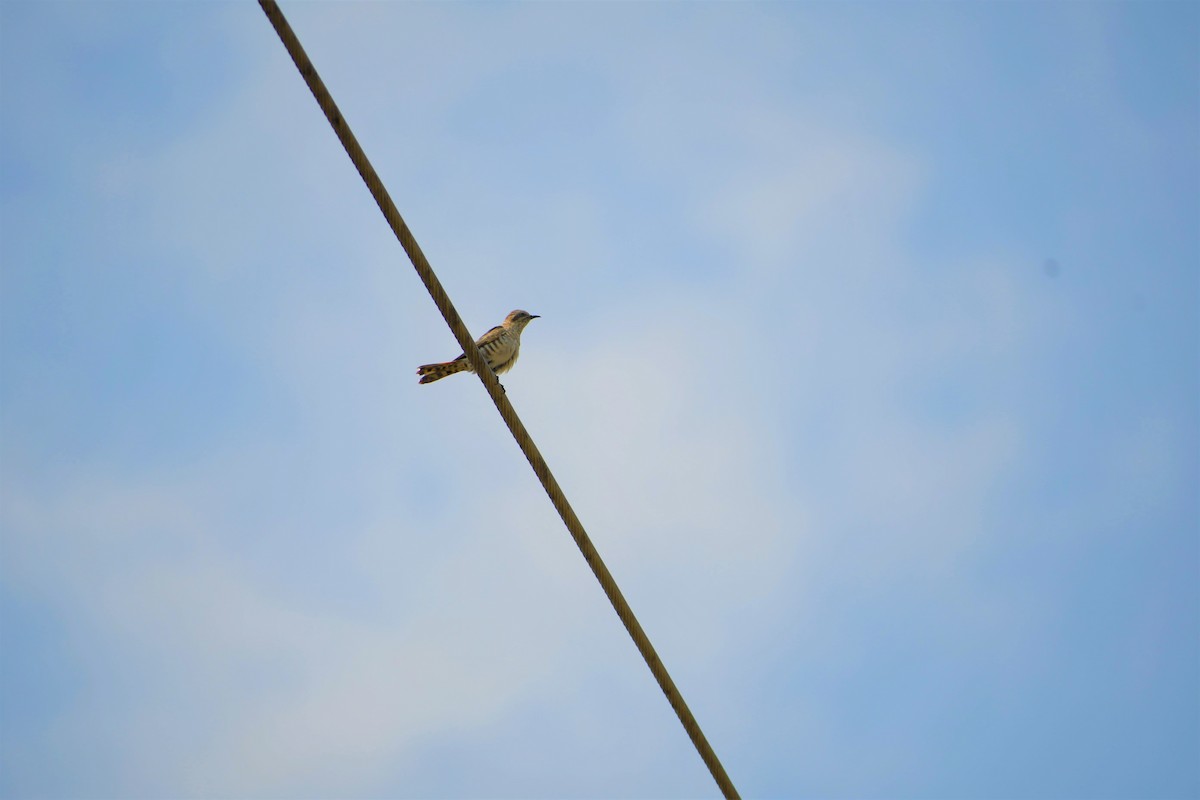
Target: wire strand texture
496	392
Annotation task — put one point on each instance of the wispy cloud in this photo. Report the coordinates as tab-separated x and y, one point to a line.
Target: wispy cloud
854	455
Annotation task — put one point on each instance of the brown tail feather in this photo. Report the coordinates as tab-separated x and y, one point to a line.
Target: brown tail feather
435	372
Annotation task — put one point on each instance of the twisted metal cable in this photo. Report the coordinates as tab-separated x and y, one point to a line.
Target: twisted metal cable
496	391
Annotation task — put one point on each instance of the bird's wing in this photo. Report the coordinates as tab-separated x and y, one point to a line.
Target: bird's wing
490	336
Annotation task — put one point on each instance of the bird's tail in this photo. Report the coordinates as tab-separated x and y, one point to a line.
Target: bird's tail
435	372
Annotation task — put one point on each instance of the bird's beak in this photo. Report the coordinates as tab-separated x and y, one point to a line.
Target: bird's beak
535	316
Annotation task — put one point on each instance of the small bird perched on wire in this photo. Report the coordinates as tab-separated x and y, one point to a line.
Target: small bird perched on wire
500	346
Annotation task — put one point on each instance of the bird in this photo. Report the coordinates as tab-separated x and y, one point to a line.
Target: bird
499	346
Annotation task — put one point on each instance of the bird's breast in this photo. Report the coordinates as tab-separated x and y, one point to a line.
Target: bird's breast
502	348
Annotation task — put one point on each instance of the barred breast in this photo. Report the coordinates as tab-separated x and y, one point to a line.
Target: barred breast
501	352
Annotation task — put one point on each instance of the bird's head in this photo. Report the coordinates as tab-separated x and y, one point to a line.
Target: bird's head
519	319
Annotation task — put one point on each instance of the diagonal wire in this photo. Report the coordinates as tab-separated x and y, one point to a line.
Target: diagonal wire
496	391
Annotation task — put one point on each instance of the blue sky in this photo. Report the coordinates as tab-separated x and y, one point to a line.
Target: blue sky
869	356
